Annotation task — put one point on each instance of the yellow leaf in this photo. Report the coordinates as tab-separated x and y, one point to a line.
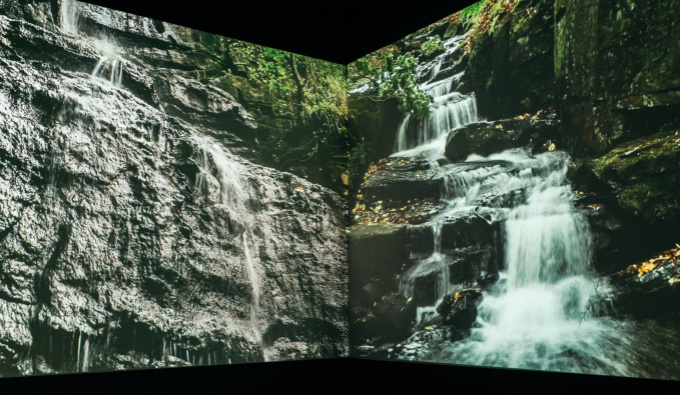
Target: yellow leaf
552	147
301	189
429	328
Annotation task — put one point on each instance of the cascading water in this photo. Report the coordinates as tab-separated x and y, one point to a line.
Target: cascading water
537	315
232	192
110	65
68	16
449	111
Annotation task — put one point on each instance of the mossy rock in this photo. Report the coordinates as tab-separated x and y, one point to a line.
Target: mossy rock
645	175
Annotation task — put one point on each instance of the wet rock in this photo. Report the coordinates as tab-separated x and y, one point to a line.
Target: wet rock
457	149
395	315
620	237
486	138
641	98
372	125
511	68
121	244
400	180
643	174
480	138
471	252
460	308
375	252
421	344
388	320
203	105
652	294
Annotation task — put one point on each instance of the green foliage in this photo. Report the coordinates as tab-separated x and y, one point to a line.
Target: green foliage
471	14
311	93
393	78
432	45
399	80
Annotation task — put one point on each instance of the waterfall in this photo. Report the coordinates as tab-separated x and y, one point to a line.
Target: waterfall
436	265
401	142
86	356
80	338
536	315
68	16
232	192
110	70
110	65
546	239
449	111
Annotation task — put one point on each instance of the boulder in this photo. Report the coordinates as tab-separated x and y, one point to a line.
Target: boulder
457	147
389	320
486	138
460	308
511	66
645	176
375	252
647	292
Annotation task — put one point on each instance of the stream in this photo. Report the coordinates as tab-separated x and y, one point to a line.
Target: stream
549	309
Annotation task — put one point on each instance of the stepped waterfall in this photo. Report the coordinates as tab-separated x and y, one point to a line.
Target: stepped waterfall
547	309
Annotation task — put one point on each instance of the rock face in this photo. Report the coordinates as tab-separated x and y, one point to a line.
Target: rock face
132	235
602	103
536	132
644	173
511	69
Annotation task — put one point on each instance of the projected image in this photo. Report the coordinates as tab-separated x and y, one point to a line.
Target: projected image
168	197
516	183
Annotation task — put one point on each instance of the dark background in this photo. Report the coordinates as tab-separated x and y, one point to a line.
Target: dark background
339	32
336	30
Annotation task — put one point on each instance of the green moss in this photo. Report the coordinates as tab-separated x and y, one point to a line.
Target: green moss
432	45
471	13
645	174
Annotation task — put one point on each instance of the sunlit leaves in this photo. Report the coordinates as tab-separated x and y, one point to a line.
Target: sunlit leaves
663	259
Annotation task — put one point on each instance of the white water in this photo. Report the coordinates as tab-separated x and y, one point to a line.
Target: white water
69	16
86	356
110	66
223	180
449	111
537	315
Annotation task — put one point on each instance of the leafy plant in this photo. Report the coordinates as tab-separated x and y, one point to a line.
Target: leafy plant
432	45
308	92
399	80
392	77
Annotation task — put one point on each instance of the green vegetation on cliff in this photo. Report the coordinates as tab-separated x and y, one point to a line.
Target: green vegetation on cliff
299	103
394	77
